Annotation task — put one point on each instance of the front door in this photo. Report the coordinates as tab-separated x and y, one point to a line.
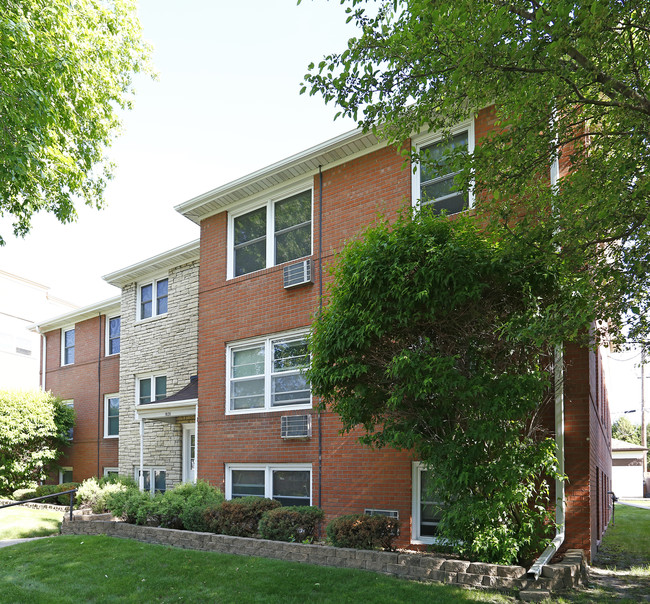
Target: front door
189	453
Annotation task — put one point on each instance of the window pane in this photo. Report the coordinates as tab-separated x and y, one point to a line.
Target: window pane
113	426
247	394
161	387
147	479
250	257
293	244
113	406
146	305
289	389
292	211
437	164
247	482
250	226
114	336
161	296
288	355
291	487
66	476
145	391
430	510
160	481
248	362
69	338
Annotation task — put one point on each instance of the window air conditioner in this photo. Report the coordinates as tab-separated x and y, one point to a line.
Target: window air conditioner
297	274
295	426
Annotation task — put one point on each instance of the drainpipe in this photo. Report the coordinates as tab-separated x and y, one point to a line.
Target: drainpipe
43	356
99	392
141	477
320	310
560	506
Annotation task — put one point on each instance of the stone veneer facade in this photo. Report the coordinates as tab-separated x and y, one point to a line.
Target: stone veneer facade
161	345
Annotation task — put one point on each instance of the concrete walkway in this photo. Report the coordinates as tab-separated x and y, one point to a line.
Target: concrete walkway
634	505
8	542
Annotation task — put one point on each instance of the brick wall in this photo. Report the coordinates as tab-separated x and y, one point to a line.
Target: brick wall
86	381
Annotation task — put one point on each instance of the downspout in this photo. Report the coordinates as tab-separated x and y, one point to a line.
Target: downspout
560	505
196	442
43	356
141	477
320	310
99	392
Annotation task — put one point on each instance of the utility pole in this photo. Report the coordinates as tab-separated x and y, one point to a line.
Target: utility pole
644	434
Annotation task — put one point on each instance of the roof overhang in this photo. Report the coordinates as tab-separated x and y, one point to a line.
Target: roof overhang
167	412
333	152
106	307
169	259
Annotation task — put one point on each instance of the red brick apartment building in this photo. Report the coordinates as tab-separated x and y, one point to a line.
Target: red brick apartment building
81	365
267	240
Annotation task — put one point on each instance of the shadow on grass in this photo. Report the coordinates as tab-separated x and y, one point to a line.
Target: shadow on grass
20	523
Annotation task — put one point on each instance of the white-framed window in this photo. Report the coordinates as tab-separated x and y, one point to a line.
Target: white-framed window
111	471
69	403
276	231
113	328
67	346
426	512
155	479
152	298
111	416
433	184
290	484
266	374
65	475
150	388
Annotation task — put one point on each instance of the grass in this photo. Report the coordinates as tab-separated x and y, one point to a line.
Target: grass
18	523
104	569
644	502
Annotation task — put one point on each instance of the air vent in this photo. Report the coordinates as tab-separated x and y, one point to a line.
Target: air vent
297	274
295	426
389	513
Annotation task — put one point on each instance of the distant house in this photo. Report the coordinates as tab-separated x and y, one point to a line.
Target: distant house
627	469
235	309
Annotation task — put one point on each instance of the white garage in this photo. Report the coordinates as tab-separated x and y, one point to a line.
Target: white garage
627	469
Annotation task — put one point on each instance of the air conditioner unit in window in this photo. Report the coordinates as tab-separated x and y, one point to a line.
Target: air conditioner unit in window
297	274
295	426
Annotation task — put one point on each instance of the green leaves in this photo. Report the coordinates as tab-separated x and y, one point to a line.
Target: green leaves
65	71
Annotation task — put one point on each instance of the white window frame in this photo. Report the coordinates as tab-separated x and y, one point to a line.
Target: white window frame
108	470
65	330
68	402
152	481
61	472
154	299
189	430
425	140
268	475
107	338
416	495
267	342
269	202
152	377
106	398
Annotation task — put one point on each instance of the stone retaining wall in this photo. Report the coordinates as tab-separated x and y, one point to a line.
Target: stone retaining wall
39	506
420	567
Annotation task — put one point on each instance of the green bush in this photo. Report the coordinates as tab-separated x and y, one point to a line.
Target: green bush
210	519
50	489
291	523
92	493
131	505
127	481
23	494
182	507
361	531
241	517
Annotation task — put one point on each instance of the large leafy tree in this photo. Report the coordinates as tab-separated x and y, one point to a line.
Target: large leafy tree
568	80
426	343
66	71
34	428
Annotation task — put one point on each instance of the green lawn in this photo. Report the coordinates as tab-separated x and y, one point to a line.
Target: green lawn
19	522
104	569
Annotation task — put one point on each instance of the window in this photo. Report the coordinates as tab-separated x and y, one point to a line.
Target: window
153	299
67	346
288	484
113	335
65	475
111	416
433	181
111	472
426	512
69	403
277	232
159	482
151	388
265	375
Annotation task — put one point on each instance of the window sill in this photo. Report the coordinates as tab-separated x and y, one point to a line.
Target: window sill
150	319
264	410
114	436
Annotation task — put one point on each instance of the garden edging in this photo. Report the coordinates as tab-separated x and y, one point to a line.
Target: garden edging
419	567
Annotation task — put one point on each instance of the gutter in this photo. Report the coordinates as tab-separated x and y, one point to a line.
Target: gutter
560	508
43	355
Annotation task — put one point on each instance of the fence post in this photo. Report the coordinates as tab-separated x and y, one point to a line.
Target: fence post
71	504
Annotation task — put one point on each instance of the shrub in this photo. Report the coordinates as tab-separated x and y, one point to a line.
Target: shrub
361	531
182	507
241	517
127	481
50	489
23	494
291	523
92	493
131	505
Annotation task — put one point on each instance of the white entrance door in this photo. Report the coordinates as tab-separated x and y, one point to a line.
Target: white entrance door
189	453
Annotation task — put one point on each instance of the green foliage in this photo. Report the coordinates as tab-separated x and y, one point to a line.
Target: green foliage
570	81
182	507
291	523
431	342
34	428
361	531
23	494
67	73
50	489
92	493
624	429
131	505
241	517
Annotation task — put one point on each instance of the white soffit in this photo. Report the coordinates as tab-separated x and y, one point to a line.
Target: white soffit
306	163
106	307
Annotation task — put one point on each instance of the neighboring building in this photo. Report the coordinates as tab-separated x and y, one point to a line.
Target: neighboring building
22	302
238	319
627	470
82	367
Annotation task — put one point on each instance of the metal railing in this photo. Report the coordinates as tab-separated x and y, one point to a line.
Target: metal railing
71	492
